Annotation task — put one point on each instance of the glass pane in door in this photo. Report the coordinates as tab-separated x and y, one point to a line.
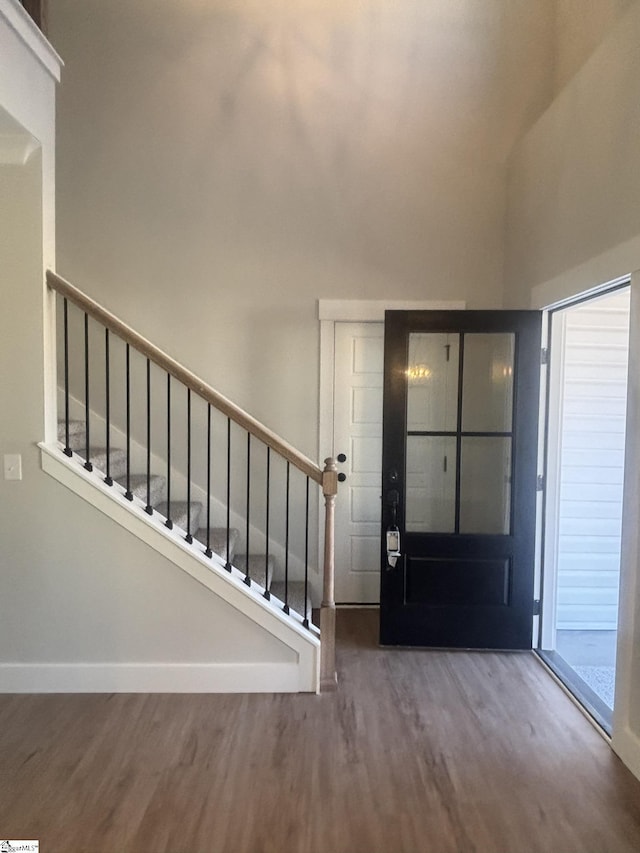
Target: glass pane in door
430	502
432	382
485	485
487	382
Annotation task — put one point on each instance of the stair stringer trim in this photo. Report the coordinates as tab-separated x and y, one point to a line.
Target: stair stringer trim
302	676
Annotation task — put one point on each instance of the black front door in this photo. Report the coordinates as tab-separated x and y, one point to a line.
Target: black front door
460	426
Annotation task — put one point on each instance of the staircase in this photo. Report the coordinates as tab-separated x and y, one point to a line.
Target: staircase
188	517
194	476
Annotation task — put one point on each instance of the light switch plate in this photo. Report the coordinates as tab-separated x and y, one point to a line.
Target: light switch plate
12	466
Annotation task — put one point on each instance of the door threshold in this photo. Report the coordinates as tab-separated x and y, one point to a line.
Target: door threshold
456	649
588	700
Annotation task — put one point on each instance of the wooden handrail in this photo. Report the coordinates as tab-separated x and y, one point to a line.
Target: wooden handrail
217	400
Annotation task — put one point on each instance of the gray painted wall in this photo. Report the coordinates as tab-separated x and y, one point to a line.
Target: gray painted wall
74	587
223	165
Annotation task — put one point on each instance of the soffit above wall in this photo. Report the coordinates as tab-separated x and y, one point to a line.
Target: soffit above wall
23	25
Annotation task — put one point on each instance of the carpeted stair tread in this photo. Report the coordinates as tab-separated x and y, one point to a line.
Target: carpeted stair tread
296	596
256	567
179	514
117	460
218	540
138	484
76	433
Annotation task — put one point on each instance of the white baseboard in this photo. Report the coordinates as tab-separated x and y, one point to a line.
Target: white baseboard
626	745
150	678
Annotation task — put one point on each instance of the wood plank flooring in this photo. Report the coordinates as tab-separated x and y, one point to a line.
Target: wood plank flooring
417	752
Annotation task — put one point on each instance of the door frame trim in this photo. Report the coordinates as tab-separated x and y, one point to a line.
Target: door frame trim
330	312
625	736
549	464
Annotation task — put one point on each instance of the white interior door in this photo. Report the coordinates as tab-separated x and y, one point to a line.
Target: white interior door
359	356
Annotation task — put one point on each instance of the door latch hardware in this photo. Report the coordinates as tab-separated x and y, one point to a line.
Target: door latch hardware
393	547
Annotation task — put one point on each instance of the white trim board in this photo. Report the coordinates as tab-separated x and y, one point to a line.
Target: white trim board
625	738
149	678
626	745
372	310
550	463
229	586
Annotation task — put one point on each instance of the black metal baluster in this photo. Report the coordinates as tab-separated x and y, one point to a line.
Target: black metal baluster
267	594
208	552
189	537
107	394
168	523
128	494
148	509
87	418
67	449
247	577
305	621
228	563
286	547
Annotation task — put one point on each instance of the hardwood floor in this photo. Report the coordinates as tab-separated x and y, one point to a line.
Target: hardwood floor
424	752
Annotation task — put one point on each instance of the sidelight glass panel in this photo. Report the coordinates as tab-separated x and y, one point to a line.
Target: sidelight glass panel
432	382
430	484
485	485
487	382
